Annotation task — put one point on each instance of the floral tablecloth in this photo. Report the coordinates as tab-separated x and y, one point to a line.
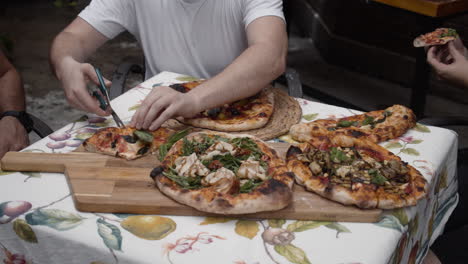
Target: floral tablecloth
39	222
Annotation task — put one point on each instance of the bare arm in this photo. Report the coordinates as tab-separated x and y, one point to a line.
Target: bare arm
258	65
263	61
69	51
13	135
11	89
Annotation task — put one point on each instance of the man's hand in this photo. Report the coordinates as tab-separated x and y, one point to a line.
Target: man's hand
13	137
163	103
454	69
74	77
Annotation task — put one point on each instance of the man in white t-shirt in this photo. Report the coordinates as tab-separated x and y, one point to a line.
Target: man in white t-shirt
238	45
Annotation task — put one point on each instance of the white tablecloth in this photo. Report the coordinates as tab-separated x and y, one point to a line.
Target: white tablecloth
39	222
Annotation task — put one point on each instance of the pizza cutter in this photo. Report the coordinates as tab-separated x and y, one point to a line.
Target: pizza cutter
104	102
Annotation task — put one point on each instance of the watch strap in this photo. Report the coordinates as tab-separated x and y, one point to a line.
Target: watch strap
22	117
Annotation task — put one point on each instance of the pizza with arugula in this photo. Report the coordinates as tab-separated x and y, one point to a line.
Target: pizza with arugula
224	174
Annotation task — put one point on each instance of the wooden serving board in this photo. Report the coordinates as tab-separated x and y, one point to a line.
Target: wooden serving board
102	183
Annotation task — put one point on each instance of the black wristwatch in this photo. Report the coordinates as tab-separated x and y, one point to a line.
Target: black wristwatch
22	116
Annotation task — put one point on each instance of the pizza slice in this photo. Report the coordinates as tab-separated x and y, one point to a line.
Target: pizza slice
225	174
246	114
439	36
376	126
128	143
357	172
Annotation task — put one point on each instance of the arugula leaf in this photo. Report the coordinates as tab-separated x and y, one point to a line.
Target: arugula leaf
377	178
144	136
346	123
337	155
249	186
229	161
369	120
164	148
184	182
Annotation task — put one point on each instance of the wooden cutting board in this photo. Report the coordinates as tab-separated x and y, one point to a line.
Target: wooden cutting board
102	183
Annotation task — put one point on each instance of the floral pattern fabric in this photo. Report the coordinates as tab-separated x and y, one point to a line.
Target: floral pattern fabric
39	222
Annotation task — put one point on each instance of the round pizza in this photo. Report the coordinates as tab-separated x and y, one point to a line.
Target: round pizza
246	114
439	36
225	174
127	142
357	172
376	126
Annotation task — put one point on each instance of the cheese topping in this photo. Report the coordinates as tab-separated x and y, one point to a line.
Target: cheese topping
251	169
219	148
214	177
190	166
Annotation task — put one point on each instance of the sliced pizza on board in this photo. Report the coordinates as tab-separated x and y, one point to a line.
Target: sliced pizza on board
225	174
246	114
357	172
128	143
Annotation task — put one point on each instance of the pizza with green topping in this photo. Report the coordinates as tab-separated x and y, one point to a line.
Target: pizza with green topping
357	172
224	174
127	142
376	126
246	114
439	36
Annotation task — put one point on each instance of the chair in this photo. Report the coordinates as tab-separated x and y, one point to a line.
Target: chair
40	127
290	78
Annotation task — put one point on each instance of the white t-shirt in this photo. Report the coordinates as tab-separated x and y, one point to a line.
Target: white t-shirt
194	37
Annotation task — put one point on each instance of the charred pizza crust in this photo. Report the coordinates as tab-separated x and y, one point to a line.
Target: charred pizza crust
122	142
273	193
439	36
246	114
376	126
357	172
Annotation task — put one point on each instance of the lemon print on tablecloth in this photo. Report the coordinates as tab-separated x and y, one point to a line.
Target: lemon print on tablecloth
149	227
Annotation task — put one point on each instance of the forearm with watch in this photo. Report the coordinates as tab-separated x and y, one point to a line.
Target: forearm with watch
12	103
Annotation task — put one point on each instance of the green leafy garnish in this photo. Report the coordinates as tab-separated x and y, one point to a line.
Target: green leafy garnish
247	143
450	33
229	161
250	185
184	182
337	155
377	178
164	148
144	136
190	147
346	123
369	120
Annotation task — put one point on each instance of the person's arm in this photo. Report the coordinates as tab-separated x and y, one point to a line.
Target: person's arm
454	70
68	54
13	135
263	61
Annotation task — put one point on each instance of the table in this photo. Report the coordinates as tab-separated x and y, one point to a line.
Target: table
433	8
39	223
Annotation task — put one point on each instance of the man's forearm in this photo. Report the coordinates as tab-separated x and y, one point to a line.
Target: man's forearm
65	46
254	69
12	92
262	62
